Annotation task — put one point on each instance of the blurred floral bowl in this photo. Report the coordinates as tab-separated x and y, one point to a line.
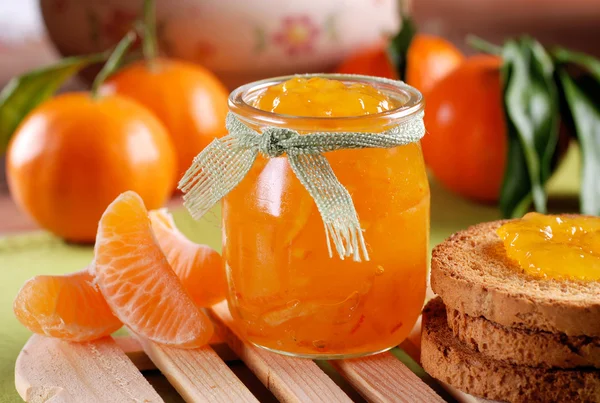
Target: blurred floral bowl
239	40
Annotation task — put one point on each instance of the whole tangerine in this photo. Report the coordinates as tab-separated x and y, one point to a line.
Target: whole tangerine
466	142
187	98
74	154
371	61
429	58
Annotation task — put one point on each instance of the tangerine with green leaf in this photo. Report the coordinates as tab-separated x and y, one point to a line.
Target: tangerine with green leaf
419	59
188	99
73	154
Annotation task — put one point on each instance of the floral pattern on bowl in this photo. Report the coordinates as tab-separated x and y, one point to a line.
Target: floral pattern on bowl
297	34
240	40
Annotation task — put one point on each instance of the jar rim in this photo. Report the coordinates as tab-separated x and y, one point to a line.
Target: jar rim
412	101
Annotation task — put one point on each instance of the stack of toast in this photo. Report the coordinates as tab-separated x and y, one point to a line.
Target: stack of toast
498	333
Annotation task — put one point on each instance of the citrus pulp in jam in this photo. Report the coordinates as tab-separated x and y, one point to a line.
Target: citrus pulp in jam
554	246
286	293
322	97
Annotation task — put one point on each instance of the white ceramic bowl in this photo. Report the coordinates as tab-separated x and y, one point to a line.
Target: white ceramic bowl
239	40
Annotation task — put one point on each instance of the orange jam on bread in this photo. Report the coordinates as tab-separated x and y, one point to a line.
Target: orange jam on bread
285	291
322	97
555	246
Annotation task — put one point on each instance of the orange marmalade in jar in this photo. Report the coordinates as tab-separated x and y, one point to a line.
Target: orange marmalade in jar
286	292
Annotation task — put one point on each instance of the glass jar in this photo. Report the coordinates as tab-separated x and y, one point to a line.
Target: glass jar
286	293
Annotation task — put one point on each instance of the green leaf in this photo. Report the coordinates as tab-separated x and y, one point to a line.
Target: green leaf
516	182
25	92
483	46
589	63
398	47
582	100
531	108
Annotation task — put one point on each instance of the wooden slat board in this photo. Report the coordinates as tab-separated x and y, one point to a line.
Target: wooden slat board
289	379
133	349
198	375
51	369
383	378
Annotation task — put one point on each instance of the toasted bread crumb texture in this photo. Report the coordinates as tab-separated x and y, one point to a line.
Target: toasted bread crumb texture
471	272
524	347
447	359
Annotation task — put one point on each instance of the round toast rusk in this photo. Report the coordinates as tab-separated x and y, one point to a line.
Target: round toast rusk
472	274
522	346
445	358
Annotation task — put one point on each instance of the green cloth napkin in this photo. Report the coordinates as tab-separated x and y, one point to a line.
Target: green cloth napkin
26	255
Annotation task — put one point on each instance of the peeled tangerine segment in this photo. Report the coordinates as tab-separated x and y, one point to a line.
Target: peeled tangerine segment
559	247
68	307
139	285
199	267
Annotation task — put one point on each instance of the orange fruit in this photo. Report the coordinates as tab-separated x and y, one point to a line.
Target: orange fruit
137	282
429	59
189	100
69	307
372	61
199	267
73	155
466	142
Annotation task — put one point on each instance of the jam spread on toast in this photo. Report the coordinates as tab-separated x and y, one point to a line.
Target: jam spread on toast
554	246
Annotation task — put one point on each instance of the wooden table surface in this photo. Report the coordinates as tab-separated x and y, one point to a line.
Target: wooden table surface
11	218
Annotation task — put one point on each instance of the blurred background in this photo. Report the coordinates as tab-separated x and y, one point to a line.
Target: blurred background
211	46
241	41
238	39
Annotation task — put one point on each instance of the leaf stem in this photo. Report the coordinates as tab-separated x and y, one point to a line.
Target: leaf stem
113	62
482	45
397	48
149	42
403	9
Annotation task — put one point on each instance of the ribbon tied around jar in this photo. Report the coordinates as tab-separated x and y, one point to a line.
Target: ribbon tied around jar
224	163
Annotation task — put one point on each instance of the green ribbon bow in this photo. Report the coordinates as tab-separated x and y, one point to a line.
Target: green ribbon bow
223	164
